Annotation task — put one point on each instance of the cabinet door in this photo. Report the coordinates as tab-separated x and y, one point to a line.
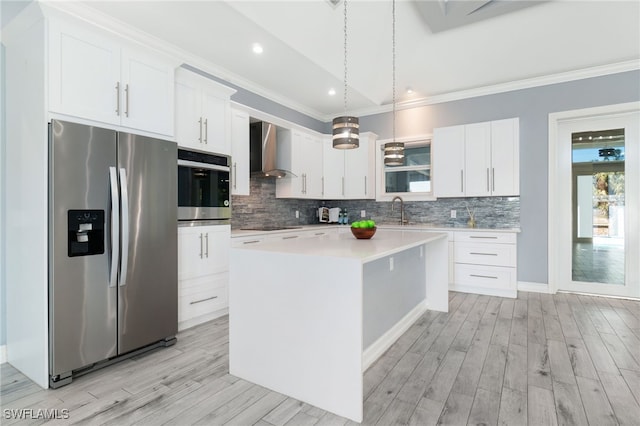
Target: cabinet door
240	152
188	117
215	125
477	154
448	161
84	74
333	171
505	169
356	171
148	92
203	250
312	150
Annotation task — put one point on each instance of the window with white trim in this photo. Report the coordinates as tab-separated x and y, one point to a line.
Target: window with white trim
412	180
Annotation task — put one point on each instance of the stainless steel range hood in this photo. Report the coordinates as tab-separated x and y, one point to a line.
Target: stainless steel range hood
263	151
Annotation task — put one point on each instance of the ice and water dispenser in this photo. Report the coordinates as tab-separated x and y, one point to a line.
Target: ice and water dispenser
85	232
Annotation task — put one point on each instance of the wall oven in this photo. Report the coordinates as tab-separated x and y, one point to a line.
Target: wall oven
203	186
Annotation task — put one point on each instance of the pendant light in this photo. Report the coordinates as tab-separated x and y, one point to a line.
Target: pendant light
394	151
346	129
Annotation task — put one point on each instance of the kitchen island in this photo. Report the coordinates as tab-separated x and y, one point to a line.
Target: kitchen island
308	316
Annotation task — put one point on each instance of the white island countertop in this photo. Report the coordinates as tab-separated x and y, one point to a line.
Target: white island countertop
344	245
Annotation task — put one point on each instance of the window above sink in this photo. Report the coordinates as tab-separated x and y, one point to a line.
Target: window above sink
412	180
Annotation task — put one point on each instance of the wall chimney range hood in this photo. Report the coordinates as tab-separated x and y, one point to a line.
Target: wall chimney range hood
263	151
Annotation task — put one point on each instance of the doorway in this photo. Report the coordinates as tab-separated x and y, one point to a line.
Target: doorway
594	191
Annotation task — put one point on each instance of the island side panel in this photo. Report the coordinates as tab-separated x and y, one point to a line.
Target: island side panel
437	264
393	286
295	326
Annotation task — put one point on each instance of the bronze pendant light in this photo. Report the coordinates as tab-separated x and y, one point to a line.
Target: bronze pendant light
346	129
394	151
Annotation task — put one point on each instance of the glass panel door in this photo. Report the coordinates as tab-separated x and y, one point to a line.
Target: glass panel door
598	206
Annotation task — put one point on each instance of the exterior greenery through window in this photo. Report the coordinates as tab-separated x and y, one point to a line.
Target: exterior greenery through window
414	176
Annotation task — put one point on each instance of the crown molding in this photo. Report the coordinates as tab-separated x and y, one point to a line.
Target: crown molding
94	17
122	30
563	77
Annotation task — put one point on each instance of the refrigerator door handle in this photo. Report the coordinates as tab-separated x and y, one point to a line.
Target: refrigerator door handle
115	226
125	227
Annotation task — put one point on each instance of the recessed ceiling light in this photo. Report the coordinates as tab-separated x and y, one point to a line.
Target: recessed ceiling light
257	48
332	92
409	91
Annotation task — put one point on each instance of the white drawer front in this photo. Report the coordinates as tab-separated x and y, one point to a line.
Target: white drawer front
485	254
485	237
485	276
202	303
197	285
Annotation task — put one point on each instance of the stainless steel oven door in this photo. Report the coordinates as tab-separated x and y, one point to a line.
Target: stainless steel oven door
203	191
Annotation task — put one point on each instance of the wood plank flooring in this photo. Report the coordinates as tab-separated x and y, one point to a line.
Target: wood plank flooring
539	360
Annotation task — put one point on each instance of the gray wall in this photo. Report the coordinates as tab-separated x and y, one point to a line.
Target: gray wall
533	106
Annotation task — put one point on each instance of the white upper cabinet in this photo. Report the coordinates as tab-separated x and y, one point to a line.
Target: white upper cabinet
333	170
349	173
505	157
477	160
203	113
301	153
240	162
359	169
97	77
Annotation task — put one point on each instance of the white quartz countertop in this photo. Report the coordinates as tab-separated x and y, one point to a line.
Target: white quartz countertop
385	242
322	227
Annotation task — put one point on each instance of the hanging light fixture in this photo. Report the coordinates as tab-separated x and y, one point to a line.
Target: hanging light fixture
394	151
346	129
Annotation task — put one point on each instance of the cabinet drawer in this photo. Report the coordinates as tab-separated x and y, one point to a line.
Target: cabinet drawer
485	237
200	284
202	302
485	276
485	254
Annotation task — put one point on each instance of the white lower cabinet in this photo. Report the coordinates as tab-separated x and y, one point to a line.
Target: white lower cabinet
485	263
203	273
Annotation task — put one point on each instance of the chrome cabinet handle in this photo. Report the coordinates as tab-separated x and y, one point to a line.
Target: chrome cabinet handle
201	246
118	98
461	180
483	238
206	237
115	226
290	238
343	185
203	300
322	180
251	242
484	254
235	175
206	131
126	100
200	125
483	276
365	185
125	227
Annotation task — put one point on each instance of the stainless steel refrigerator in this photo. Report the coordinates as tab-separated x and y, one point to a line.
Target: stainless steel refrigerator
112	246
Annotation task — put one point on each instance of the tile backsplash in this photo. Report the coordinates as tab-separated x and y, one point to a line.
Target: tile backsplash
263	208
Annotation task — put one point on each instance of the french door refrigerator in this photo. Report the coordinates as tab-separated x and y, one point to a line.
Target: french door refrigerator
112	246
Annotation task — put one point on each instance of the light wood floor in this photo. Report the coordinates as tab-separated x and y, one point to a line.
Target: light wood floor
536	360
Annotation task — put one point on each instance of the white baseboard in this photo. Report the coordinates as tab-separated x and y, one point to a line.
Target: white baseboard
533	287
377	348
192	322
500	292
3	354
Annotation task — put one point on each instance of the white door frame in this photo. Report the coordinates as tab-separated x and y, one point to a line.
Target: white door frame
559	211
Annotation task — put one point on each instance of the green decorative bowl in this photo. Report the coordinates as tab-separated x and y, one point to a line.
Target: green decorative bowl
363	233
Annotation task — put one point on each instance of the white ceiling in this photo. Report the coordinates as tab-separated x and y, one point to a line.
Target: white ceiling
442	47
